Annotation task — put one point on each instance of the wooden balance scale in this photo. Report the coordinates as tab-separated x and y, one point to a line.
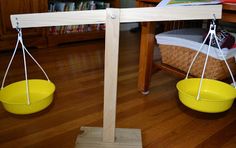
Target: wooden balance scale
108	136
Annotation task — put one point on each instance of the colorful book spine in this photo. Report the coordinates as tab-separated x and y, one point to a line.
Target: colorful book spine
76	5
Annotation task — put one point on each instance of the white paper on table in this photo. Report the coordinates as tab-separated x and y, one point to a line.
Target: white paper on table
164	3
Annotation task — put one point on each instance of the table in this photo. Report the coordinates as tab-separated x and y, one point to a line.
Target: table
147	42
229	12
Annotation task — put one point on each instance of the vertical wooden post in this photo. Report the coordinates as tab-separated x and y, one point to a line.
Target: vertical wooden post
109	135
111	73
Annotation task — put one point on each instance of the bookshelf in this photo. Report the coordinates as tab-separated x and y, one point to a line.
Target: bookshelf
65	34
40	37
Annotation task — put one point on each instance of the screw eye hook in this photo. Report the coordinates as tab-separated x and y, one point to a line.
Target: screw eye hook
214	19
18	29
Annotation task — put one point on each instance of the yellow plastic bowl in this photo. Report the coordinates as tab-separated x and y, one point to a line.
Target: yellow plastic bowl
215	96
14	100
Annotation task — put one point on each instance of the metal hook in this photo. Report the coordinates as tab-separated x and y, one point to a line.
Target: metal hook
18	29
214	19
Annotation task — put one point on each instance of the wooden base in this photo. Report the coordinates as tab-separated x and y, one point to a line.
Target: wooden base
124	138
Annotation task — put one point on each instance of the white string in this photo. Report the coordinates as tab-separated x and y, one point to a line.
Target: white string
9	64
204	68
35	62
197	54
212	33
25	69
219	48
20	39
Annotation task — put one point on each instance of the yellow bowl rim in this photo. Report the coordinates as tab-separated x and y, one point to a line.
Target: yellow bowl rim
204	99
51	93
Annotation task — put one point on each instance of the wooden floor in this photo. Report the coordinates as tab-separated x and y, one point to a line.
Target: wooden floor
77	71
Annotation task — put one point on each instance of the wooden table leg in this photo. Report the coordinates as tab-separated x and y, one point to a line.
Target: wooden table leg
146	56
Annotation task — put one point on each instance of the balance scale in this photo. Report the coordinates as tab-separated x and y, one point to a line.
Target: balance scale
108	136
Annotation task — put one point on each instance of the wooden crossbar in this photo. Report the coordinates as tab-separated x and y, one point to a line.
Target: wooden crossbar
126	15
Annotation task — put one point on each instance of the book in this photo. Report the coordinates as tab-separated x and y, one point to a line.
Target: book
70	6
228	1
187	2
79	5
56	7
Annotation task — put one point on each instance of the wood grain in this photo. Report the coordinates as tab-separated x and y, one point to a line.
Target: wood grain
77	71
126	15
111	74
229	12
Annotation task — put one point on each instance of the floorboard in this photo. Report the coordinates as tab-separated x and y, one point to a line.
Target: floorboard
77	71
